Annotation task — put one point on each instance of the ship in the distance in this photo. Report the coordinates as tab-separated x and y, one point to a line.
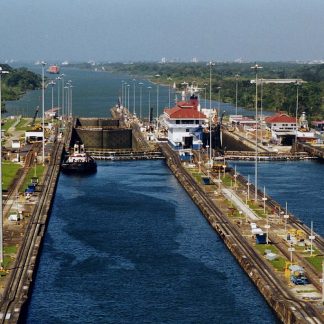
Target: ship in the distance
53	69
79	161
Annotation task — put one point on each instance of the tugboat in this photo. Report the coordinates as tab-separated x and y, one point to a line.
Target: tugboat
79	161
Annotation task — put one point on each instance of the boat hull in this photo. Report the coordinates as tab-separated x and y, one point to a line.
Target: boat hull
79	167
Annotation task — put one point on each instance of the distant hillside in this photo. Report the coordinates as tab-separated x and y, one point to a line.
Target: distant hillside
275	96
17	82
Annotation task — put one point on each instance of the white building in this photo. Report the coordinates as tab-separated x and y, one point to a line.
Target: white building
184	124
283	128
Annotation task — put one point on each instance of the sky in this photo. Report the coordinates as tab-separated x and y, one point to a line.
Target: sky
147	30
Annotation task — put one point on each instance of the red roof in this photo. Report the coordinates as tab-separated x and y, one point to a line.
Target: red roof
184	109
280	118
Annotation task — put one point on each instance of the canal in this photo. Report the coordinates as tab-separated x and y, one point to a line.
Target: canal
127	245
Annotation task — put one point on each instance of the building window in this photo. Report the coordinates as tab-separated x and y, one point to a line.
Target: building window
177	121
187	130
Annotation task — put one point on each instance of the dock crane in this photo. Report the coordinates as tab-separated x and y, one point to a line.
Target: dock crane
34	118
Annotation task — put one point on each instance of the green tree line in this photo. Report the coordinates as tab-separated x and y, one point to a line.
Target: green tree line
15	83
276	97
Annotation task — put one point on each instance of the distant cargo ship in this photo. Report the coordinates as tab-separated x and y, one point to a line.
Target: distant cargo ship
54	69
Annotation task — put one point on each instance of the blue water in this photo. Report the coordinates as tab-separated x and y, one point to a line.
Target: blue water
95	93
127	245
300	184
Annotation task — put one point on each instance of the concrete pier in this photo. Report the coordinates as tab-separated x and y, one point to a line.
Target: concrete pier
17	290
289	308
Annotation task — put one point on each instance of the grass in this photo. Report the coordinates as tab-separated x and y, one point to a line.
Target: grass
23	124
227	180
11	249
9	171
8	124
280	263
316	262
31	173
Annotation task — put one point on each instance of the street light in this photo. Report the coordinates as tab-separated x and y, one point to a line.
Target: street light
122	94
62	76
157	105
205	87
169	79
134	109
264	200
219	93
297	104
235	176
67	100
286	216
1	211
237	76
210	91
140	114
43	112
58	95
248	185
256	67
149	103
71	101
52	83
128	86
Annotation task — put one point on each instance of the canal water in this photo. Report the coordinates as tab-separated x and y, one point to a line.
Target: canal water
127	245
299	183
95	93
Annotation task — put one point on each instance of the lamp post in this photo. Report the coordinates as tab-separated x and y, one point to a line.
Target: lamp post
248	185
261	110
264	200
67	109
286	216
1	211
237	76
219	94
58	95
157	104
122	93
140	113
128	86
256	67
62	77
43	112
169	79
210	119
134	109
205	87
297	104
235	176
149	103
311	238
52	83
71	101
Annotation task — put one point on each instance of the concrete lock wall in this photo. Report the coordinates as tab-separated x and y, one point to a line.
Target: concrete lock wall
97	122
102	133
90	138
117	139
230	144
108	122
88	122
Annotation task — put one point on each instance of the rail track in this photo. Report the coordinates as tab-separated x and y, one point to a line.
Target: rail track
16	293
303	311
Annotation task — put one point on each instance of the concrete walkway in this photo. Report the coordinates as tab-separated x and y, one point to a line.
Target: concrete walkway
239	204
